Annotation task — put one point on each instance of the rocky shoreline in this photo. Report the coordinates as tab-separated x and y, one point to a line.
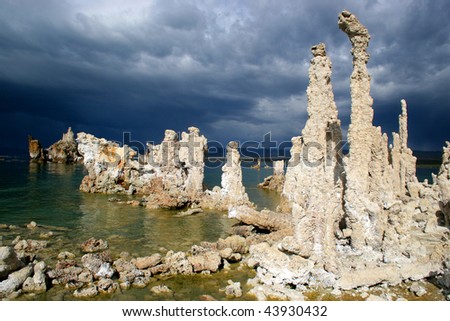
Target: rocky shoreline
30	268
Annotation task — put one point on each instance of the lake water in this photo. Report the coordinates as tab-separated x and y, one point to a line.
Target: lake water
49	195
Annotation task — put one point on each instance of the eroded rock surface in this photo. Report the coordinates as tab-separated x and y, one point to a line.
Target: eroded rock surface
443	181
35	150
232	192
403	161
169	175
357	220
65	150
9	262
276	181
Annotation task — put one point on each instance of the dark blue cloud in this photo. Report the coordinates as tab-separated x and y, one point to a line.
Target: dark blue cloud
235	69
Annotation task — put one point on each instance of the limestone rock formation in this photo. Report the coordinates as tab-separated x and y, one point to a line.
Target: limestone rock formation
265	219
15	281
93	245
276	181
9	262
443	181
169	175
232	193
314	185
37	283
35	150
292	171
65	150
402	159
356	221
368	186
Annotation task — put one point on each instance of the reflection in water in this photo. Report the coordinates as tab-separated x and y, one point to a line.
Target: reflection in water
142	231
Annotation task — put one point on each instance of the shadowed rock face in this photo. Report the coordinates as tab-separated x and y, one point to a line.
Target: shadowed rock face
275	181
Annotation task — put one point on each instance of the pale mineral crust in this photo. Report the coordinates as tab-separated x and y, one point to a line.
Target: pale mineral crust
314	186
367	172
443	181
358	220
232	193
403	161
169	175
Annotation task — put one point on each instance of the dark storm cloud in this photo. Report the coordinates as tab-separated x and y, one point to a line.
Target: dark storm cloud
235	69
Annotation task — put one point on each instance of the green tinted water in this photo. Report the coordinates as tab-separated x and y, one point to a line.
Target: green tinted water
49	195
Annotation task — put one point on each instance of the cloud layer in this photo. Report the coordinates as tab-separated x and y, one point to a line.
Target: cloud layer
235	69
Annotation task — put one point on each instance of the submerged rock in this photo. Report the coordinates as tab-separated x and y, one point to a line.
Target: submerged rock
30	245
93	245
161	289
237	244
417	289
65	255
32	225
189	212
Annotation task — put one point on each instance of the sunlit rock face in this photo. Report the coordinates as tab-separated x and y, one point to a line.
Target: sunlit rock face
443	181
314	185
403	161
232	193
35	150
169	175
65	150
357	220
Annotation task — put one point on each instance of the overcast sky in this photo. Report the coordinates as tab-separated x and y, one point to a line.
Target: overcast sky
235	69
